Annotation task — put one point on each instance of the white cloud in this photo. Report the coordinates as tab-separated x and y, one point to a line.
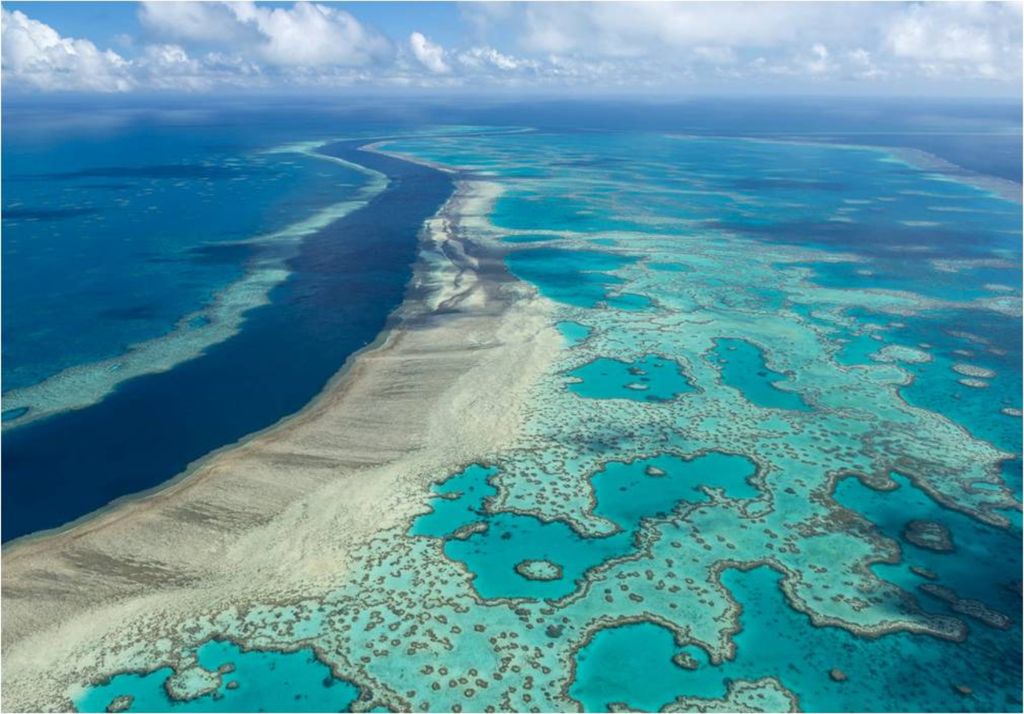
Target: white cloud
902	40
311	34
428	54
488	58
306	34
980	39
715	54
211	22
861	65
819	62
35	54
168	66
619	29
661	46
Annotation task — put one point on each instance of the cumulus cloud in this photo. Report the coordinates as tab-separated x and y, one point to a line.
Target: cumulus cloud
659	46
962	38
819	61
428	54
306	34
36	55
488	58
901	39
618	29
170	67
862	66
311	34
210	22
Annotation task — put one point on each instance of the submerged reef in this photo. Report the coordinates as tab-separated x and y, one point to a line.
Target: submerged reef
928	534
703	501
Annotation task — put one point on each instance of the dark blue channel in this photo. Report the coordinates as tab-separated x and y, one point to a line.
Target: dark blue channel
346	280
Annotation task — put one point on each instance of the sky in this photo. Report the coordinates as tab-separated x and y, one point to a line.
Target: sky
681	48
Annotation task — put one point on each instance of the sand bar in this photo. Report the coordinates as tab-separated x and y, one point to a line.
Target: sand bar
278	516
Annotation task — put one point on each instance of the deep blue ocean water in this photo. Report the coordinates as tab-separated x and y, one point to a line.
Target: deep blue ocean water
141	227
346	279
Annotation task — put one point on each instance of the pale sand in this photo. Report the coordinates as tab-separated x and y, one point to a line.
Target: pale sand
278	517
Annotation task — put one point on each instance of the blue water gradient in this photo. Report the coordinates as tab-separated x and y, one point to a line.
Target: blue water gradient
110	240
346	280
796	195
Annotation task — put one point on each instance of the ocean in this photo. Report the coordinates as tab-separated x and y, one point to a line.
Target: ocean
776	461
211	291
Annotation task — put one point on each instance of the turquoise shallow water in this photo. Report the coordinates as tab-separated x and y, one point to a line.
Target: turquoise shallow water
509	539
873	226
981	565
573	332
765	375
651	378
250	681
625	494
530	238
633	664
743	367
629	492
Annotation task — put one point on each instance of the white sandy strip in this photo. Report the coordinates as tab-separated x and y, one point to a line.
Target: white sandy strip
283	514
84	385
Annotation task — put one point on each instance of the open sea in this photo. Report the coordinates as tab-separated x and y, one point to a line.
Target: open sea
792	346
170	289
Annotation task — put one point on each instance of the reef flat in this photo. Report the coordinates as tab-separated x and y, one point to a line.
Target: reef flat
662	454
